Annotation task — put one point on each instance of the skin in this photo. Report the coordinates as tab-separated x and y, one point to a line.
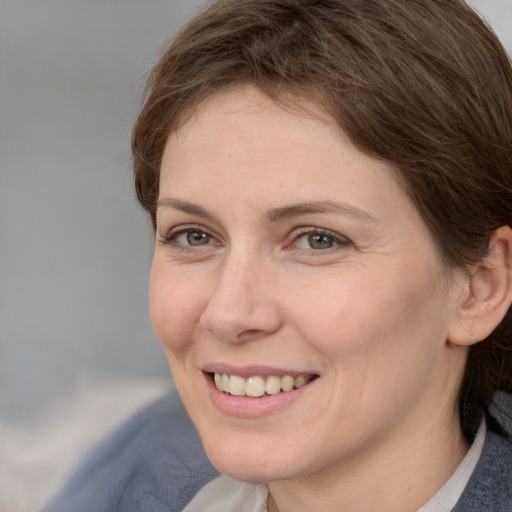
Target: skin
354	294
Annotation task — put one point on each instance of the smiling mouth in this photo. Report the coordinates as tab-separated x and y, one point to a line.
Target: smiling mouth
258	386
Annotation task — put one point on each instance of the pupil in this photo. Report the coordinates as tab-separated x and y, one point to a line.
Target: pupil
320	241
197	238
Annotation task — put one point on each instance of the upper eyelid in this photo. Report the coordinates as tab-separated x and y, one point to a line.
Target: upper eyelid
183	228
306	230
188	227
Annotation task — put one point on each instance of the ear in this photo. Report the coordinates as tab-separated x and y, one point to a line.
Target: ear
488	293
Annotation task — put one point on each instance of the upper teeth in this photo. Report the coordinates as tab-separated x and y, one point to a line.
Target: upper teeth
258	386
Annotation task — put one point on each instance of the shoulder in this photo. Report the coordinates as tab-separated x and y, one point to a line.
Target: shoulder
154	462
490	485
227	495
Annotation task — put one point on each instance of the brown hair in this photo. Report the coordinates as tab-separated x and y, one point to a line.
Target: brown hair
423	84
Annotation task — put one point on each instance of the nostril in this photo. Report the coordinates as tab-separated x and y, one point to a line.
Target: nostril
250	334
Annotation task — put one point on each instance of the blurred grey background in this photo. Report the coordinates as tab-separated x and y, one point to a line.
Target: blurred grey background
77	352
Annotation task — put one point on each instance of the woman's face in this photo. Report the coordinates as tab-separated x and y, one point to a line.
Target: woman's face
285	257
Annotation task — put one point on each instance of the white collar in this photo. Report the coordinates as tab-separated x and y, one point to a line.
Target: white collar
446	498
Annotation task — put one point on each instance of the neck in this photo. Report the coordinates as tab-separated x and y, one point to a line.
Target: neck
393	476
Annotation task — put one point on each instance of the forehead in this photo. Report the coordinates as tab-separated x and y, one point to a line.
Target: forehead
241	102
242	126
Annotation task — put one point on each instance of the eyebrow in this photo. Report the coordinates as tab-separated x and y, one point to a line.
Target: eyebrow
296	210
277	214
186	207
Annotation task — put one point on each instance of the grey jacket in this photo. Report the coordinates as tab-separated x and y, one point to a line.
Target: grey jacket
156	463
153	463
490	485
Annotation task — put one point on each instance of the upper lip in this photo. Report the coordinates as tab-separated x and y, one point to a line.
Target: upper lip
251	371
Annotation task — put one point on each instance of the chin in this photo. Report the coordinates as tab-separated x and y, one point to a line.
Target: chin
252	461
250	473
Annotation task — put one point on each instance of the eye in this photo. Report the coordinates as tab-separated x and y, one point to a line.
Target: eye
319	240
316	241
193	238
187	237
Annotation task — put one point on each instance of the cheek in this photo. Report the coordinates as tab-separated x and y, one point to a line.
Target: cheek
369	321
174	310
378	346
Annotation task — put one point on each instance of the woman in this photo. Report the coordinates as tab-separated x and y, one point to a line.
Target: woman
330	184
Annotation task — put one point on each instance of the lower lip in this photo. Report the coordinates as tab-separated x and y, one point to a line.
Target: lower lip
249	407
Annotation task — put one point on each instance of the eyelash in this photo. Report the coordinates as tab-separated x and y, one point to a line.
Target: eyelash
336	239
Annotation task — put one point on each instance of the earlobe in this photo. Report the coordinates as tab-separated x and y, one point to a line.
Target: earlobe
489	293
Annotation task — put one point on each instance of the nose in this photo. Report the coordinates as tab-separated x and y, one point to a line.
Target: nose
243	304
